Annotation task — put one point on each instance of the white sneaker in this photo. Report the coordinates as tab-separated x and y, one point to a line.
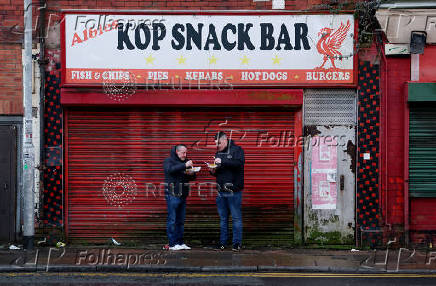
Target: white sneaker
176	247
184	247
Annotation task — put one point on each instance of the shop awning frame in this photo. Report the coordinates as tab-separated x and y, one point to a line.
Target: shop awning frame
186	97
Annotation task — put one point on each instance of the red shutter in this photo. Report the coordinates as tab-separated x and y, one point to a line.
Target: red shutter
114	157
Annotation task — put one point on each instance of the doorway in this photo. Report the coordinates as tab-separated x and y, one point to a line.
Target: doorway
8	178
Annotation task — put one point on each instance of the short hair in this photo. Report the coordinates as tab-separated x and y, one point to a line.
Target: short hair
220	135
180	146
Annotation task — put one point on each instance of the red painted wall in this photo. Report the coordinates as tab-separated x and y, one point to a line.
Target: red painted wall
395	74
427	72
422	211
422	216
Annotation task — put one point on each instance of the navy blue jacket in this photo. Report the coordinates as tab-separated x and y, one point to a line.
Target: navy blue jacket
176	180
230	173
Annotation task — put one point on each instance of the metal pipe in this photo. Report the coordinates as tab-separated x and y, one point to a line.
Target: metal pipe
409	5
42	35
28	152
406	170
385	137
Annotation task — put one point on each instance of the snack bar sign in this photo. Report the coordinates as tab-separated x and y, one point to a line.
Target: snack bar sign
209	49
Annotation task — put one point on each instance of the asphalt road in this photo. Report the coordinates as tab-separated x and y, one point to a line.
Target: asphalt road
209	279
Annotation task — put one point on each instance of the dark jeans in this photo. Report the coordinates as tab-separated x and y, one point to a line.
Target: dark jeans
176	219
230	203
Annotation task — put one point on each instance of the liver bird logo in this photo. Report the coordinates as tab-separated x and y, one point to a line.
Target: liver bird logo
330	43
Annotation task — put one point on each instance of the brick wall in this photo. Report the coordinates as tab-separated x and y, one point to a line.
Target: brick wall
180	4
11	80
11	23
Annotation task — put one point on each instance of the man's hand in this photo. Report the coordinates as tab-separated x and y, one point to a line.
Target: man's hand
189	164
217	161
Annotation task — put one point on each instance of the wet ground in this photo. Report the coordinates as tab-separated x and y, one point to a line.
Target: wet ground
285	278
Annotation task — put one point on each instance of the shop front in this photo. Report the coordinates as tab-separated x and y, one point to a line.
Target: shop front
422	160
133	86
410	110
114	158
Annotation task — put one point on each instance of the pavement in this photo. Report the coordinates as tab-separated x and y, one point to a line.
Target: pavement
149	259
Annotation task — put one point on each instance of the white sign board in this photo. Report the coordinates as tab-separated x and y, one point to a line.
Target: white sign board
237	49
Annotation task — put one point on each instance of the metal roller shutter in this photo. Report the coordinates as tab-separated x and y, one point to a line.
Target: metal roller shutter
422	150
114	168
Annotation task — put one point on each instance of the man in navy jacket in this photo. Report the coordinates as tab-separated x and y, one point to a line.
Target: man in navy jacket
230	160
177	176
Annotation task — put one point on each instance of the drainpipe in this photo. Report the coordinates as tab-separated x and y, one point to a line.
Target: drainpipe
385	138
28	152
42	65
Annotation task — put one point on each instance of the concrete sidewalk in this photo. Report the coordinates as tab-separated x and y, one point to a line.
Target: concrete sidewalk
116	259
